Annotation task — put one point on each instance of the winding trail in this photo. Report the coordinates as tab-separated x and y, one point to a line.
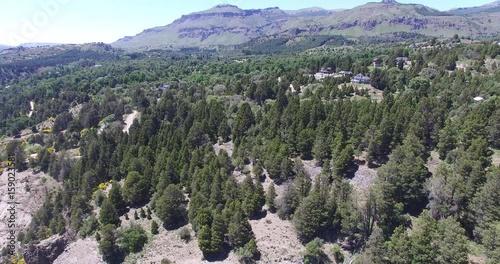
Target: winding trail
32	106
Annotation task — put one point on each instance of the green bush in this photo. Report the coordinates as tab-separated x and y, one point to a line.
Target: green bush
133	238
248	252
99	197
154	228
185	234
337	253
89	226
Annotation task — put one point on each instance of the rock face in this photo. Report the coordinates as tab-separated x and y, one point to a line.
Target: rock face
46	251
230	25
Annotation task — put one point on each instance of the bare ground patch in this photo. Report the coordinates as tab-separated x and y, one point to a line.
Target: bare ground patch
495	159
276	240
433	162
30	199
228	147
363	178
81	252
129	120
312	168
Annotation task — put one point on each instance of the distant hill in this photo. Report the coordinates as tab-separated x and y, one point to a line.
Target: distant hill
312	11
2	47
488	8
39	44
230	25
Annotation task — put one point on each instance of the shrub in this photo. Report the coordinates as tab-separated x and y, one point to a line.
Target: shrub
185	234
166	261
314	252
99	197
133	239
154	228
248	252
337	253
136	216
89	226
143	213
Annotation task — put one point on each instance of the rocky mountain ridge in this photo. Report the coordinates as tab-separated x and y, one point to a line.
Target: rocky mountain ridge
230	25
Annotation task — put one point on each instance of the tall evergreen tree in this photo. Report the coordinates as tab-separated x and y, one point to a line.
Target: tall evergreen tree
116	199
239	229
218	231
107	245
271	197
135	189
108	214
170	207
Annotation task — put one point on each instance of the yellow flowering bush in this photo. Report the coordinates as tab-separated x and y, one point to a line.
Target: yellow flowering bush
103	186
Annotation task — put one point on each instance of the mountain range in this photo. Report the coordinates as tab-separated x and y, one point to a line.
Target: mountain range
2	47
230	25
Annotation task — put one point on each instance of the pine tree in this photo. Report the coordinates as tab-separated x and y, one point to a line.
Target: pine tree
271	197
116	199
239	229
244	120
107	243
135	189
108	214
485	204
451	242
308	217
321	150
143	213
218	232
257	170
136	216
154	228
374	249
205	239
422	248
398	247
289	202
170	207
491	242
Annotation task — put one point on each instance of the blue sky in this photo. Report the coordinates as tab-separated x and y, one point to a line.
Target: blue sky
80	21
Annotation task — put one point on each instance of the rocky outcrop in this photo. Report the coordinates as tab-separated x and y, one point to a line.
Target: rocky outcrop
415	22
46	251
240	25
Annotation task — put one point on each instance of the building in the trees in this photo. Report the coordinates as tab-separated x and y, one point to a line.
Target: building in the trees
163	88
324	73
377	62
478	99
326	70
345	73
402	59
360	78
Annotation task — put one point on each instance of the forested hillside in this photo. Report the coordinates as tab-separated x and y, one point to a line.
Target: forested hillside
429	127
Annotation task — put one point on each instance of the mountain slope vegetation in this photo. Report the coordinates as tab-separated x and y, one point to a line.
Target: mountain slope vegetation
439	107
230	25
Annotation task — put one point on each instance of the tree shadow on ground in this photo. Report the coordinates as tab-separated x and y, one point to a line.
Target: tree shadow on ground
260	215
220	256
